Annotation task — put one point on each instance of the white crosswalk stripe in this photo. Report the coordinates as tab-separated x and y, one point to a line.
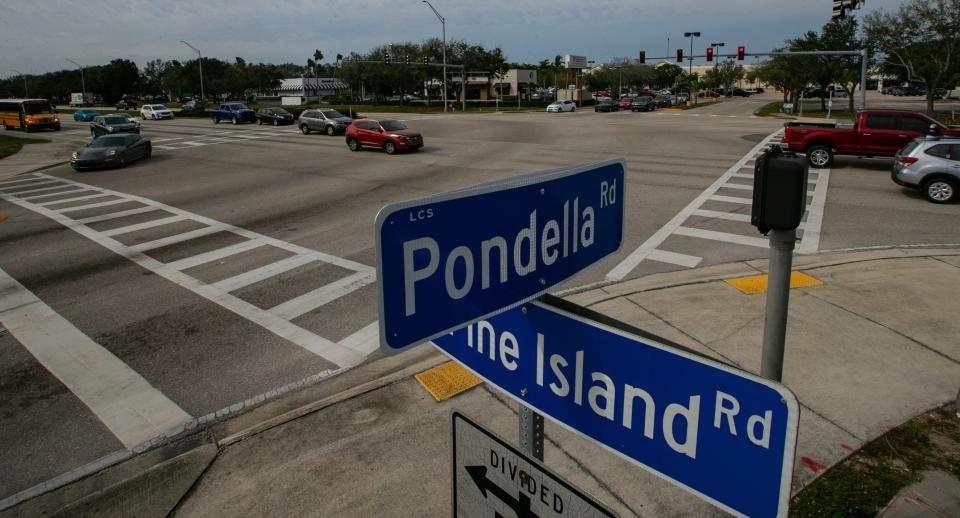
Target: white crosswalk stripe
277	319
680	225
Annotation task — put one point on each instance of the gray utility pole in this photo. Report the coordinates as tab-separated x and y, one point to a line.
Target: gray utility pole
83	84
24	76
200	62
443	23
691	35
778	297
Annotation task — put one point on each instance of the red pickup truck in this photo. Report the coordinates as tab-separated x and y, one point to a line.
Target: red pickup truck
874	133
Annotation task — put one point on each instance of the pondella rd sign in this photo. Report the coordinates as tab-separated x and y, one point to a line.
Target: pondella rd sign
445	260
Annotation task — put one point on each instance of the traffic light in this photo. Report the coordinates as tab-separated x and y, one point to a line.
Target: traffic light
386	57
839	9
643	57
679	55
709	53
426	60
740	53
406	59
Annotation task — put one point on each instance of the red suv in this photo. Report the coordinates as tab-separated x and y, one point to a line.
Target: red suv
387	134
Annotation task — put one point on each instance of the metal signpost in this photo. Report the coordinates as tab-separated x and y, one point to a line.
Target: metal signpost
452	258
724	434
491	478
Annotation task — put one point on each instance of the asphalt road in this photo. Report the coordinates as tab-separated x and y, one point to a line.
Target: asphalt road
195	333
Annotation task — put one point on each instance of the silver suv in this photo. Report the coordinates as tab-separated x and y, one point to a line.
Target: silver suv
327	120
931	164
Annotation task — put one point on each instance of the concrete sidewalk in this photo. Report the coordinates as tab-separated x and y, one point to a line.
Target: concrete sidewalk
33	157
872	347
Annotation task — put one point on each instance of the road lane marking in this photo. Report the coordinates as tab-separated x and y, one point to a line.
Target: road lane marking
50	195
141	226
716	214
810	242
264	272
17	193
126	403
323	295
726	237
78	198
115	215
18	180
196	260
331	351
364	341
665	256
731	199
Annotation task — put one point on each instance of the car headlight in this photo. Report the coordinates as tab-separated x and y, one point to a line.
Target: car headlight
56	119
73	155
110	152
110	129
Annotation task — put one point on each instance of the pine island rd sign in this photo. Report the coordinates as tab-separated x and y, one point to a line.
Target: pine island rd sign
724	434
449	259
492	478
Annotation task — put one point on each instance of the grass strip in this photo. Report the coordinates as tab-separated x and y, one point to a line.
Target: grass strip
12	145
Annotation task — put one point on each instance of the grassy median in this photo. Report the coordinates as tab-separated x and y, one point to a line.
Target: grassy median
864	483
11	145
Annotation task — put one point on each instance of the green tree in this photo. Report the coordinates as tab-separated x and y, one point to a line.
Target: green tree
921	39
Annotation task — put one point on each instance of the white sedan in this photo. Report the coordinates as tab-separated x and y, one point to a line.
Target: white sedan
155	111
562	106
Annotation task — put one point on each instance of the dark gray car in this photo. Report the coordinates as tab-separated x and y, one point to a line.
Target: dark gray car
110	124
327	120
111	150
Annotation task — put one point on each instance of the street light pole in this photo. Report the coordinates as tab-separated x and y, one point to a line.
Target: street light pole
443	23
83	83
24	76
691	35
200	62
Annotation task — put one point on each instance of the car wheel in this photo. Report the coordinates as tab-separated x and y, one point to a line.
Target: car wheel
216	120
93	134
820	157
573	109
233	121
389	147
305	129
123	161
353	144
276	122
940	190
259	122
331	130
149	151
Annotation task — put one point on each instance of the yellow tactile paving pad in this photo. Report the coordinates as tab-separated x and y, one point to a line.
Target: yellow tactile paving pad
447	380
758	283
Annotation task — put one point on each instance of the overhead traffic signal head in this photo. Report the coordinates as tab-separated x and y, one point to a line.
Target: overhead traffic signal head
709	53
406	59
643	57
839	9
386	57
741	51
426	60
679	55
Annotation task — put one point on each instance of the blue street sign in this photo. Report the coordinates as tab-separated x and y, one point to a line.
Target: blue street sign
724	434
449	259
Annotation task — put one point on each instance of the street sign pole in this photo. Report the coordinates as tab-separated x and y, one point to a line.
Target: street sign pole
778	298
531	432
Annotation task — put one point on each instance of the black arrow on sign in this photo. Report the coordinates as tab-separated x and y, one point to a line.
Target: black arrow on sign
520	506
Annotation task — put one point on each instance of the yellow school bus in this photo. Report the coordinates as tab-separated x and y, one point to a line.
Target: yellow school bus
28	114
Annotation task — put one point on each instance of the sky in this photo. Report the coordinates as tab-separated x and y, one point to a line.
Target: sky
39	36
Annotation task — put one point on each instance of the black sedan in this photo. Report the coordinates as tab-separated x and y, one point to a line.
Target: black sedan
111	150
110	124
608	105
643	104
275	116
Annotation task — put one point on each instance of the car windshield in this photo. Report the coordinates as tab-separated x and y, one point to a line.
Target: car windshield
238	107
109	141
33	109
911	147
393	125
159	107
116	119
332	114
